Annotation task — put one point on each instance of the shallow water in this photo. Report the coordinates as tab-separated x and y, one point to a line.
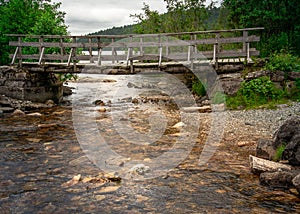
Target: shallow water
39	156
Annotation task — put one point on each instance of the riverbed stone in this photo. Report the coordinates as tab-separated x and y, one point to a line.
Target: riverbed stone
280	179
18	113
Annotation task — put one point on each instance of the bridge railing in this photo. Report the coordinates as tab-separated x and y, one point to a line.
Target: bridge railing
97	49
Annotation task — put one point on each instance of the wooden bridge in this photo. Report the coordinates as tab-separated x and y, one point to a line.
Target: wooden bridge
67	54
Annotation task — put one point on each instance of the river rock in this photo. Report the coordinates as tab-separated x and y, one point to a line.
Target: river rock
265	149
18	113
296	182
67	91
35	114
139	169
6	109
280	179
292	151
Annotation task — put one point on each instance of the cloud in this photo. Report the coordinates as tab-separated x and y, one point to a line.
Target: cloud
89	16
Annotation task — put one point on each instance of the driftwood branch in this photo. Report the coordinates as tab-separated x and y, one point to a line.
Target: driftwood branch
259	165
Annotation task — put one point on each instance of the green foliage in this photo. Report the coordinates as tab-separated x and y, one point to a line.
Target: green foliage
67	77
199	89
279	152
280	18
181	16
28	17
255	93
283	62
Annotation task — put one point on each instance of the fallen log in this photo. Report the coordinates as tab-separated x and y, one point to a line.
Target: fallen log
259	165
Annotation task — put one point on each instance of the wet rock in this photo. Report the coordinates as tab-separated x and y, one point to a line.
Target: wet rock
296	182
102	110
18	113
265	149
292	151
50	103
109	189
109	81
132	85
4	101
75	180
179	125
99	103
245	143
203	109
280	179
28	187
6	109
67	91
100	197
35	114
135	101
139	169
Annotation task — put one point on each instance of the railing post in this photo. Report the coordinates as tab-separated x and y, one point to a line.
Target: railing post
41	50
113	50
195	47
160	51
216	51
20	51
91	50
99	51
62	52
129	55
74	51
141	47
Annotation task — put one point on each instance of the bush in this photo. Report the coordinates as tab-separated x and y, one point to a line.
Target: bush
283	62
199	89
255	93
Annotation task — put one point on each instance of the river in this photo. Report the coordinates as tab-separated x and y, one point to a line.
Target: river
133	151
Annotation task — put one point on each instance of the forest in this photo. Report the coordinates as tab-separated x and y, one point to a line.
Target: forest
280	19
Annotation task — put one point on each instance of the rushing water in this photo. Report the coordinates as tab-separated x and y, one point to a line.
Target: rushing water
40	157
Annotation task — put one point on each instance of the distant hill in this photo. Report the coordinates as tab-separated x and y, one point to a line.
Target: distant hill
126	29
211	21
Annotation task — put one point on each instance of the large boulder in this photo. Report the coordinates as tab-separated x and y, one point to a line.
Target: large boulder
287	131
289	136
292	151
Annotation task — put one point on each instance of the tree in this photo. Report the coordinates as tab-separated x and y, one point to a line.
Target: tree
28	17
280	18
182	16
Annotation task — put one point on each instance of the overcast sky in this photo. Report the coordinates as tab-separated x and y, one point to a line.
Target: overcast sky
88	16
